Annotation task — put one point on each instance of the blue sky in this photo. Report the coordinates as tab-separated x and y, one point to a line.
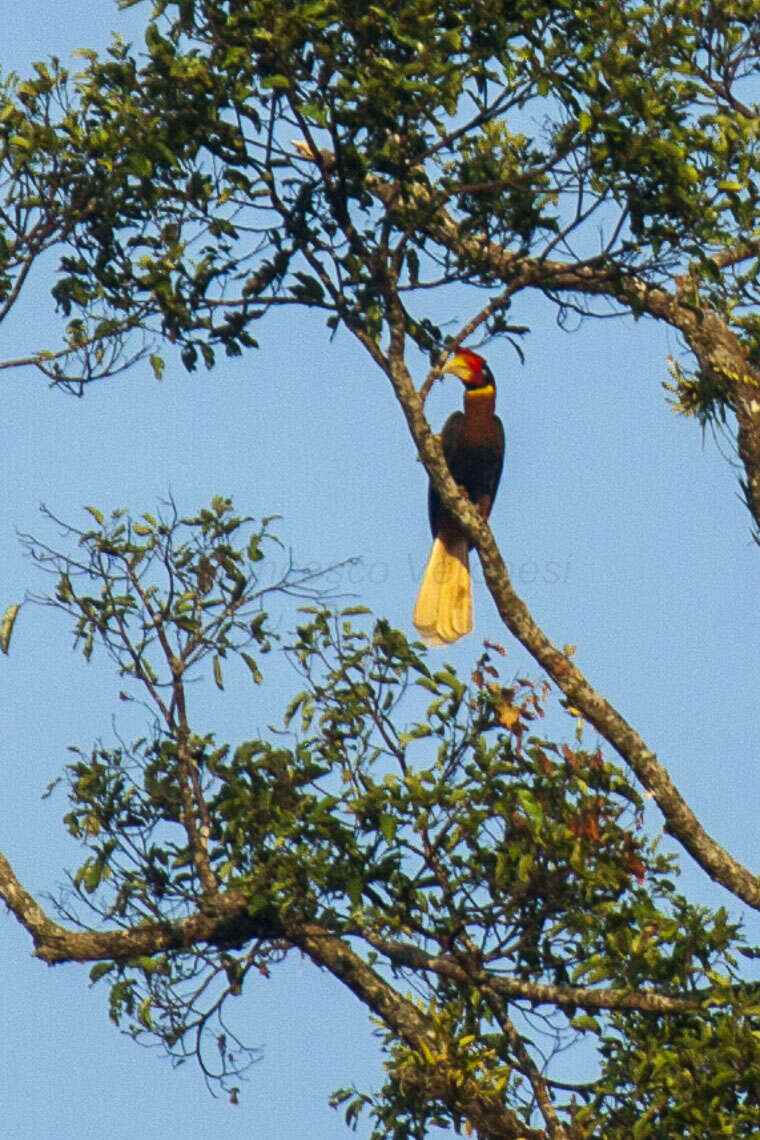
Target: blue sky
622	526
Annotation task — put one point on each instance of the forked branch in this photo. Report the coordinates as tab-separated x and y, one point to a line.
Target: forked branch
681	821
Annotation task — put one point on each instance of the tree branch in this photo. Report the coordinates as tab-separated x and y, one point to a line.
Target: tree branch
230	921
537	993
717	348
681	821
465	1095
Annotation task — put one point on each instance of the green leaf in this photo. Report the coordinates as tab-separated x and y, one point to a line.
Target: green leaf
6	626
530	805
585	1022
354	889
100	969
143	1013
388	827
276	82
251	663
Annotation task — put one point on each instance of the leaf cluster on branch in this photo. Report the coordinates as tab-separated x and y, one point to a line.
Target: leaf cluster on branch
318	153
401	827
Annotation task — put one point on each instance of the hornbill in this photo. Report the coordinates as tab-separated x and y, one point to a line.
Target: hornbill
473	444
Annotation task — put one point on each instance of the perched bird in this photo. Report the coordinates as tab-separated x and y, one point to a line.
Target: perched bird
473	444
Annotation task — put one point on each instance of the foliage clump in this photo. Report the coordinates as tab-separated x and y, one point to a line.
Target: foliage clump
426	827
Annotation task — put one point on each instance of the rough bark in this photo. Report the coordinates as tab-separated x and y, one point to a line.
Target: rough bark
681	821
